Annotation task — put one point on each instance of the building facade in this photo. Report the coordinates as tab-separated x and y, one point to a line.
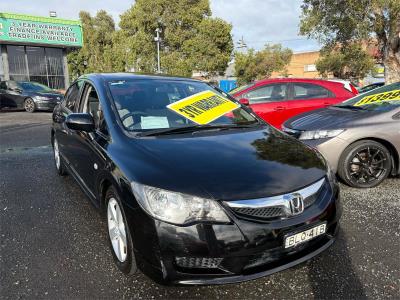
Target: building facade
35	48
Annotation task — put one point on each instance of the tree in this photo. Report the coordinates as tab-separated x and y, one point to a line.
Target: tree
254	65
348	62
344	22
191	38
98	34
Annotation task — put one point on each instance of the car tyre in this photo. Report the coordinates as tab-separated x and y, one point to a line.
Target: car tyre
365	164
60	167
29	105
119	237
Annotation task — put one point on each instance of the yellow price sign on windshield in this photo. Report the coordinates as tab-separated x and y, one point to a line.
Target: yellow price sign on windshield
204	107
381	97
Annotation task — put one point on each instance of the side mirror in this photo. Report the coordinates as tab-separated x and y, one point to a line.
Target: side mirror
244	101
80	122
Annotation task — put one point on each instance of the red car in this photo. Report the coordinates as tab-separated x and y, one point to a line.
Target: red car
276	100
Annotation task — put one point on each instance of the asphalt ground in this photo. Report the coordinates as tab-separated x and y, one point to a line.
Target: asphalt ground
53	242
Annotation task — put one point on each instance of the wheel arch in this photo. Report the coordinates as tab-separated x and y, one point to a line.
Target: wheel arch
121	186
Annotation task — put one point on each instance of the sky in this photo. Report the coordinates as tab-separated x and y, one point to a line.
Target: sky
258	21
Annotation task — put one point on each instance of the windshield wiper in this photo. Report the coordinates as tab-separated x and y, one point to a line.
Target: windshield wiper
350	107
193	128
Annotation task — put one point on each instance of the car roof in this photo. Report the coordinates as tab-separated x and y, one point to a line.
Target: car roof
125	76
275	80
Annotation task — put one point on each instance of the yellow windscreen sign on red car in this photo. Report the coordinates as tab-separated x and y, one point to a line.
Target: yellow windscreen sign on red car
204	107
381	97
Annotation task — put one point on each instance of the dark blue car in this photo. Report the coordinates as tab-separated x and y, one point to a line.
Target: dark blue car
27	95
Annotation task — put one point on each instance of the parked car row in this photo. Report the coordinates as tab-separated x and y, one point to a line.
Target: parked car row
195	186
27	95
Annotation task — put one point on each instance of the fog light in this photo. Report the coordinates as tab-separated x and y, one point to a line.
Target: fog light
198	262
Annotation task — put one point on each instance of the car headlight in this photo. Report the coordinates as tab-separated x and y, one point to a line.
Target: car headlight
177	208
41	98
320	134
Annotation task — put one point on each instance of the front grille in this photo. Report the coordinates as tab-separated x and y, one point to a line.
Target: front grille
198	262
278	206
266	212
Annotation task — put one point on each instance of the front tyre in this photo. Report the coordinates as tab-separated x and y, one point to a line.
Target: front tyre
120	239
365	164
29	105
57	159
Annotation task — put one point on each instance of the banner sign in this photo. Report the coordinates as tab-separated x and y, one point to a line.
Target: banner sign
381	97
204	107
40	30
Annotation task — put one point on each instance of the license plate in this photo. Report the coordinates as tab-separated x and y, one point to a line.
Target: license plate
304	236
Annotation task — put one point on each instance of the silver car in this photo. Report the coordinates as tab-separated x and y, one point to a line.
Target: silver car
360	137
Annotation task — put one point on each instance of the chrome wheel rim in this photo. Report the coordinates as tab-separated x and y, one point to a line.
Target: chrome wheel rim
29	105
116	230
367	165
57	154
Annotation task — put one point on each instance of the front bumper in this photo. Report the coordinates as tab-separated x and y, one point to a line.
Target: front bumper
245	249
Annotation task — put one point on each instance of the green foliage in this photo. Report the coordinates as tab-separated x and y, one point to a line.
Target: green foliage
254	65
343	22
191	38
346	62
94	56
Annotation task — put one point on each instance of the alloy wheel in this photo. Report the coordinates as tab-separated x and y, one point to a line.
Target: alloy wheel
116	230
29	105
367	165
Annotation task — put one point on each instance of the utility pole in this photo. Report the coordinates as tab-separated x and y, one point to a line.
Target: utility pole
158	40
241	44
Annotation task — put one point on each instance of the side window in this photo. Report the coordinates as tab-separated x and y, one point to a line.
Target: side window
91	104
268	93
72	96
3	85
305	91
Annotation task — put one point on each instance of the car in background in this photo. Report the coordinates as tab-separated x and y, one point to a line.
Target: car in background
360	137
231	200
370	87
28	95
276	100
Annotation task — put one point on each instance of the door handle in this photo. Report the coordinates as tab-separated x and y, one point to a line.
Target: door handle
327	104
279	108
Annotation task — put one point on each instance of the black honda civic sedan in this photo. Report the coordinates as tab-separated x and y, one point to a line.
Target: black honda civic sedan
195	188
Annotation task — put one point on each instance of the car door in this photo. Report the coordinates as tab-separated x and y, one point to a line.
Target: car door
307	96
4	102
62	132
16	94
269	102
12	95
90	146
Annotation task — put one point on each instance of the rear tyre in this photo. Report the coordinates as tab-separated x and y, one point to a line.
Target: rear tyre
365	164
60	167
29	105
119	236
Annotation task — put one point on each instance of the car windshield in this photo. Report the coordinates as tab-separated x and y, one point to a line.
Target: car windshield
142	104
34	87
383	99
